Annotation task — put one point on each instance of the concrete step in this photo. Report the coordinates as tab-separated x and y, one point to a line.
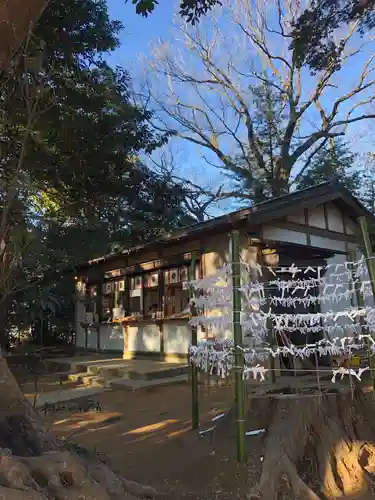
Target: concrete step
77	377
133	385
158	374
58	366
79	363
66	395
95	381
114	371
89	380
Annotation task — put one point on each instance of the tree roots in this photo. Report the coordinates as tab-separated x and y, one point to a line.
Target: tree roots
318	448
64	476
35	466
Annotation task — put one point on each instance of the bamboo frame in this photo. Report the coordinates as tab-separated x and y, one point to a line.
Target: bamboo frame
194	370
238	342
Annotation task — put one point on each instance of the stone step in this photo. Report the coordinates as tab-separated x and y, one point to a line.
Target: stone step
79	363
90	380
114	371
133	385
161	373
66	395
58	366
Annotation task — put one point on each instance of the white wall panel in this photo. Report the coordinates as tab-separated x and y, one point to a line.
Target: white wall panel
351	227
92	338
316	217
144	338
298	218
277	234
177	336
111	337
335	218
320	242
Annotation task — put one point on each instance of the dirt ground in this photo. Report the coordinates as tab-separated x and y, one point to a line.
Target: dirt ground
147	436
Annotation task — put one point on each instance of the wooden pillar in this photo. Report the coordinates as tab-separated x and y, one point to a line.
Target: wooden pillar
98	314
86	336
97	326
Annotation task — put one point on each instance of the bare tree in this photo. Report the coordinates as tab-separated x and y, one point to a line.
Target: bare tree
233	87
199	199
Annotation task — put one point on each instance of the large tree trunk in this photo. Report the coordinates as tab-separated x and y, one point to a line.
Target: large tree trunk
317	446
16	20
35	466
4	337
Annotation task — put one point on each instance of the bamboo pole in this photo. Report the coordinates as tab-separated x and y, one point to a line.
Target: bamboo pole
363	224
237	334
194	341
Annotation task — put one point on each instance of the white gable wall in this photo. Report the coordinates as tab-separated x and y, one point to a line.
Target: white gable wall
335	218
317	217
327	217
297	218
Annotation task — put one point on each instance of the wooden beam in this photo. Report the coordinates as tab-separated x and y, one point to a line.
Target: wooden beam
307	223
325	211
173	260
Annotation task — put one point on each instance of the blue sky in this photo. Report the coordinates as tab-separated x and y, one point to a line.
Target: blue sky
137	38
139	32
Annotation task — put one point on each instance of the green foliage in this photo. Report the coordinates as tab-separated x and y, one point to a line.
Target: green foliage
367	190
191	10
73	185
335	160
313	39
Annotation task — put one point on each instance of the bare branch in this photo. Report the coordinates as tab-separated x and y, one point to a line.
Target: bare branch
300	150
309	160
234	88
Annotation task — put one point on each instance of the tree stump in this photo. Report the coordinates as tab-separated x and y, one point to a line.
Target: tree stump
317	446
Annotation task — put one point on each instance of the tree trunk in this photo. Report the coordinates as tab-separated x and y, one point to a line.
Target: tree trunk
3	325
317	446
16	17
280	180
35	466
